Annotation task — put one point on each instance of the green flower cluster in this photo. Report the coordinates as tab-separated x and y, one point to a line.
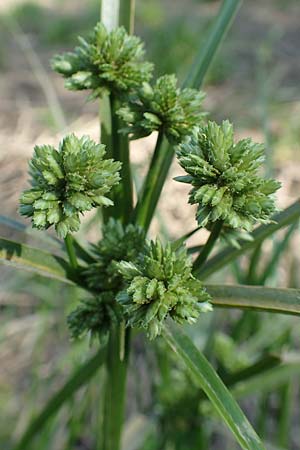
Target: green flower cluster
163	107
225	180
160	284
99	313
106	62
66	182
95	315
118	243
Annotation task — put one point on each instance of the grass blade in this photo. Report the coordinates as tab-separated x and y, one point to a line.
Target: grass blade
279	249
12	224
261	298
28	258
214	388
79	378
269	380
217	33
221	259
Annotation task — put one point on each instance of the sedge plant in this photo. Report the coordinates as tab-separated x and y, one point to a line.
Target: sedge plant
133	284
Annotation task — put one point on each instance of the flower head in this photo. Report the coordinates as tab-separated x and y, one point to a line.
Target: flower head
66	182
106	62
225	179
160	284
163	107
118	243
95	315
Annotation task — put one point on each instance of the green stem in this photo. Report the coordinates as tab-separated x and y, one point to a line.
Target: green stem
126	16
146	204
71	251
118	149
251	277
286	394
115	388
215	233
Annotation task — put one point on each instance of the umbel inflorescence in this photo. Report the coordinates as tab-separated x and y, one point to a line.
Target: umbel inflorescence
160	284
67	182
163	107
130	279
106	62
225	179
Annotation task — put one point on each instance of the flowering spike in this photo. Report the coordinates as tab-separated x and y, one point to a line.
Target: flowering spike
226	185
118	243
160	284
163	107
66	182
95	315
106	62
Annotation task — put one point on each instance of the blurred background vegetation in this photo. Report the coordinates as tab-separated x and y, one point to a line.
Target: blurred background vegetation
254	82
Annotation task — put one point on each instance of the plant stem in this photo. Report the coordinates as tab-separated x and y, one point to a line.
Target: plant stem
115	388
126	16
146	204
215	232
117	148
71	251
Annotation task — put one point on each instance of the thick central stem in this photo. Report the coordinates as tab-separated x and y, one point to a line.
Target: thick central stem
115	393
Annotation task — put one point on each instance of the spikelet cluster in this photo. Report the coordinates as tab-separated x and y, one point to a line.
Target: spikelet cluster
98	314
225	178
67	182
105	62
163	107
94	316
160	284
119	243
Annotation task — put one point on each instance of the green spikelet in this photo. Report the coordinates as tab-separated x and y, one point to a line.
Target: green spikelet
106	62
160	284
225	179
118	243
94	316
67	182
163	107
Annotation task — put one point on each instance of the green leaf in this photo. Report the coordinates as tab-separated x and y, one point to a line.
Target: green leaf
276	300
12	224
214	388
24	257
77	379
279	249
213	41
223	258
269	380
16	225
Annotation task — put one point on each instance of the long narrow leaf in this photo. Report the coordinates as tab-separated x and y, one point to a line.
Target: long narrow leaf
223	258
269	380
279	249
79	378
276	300
214	388
213	41
28	258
